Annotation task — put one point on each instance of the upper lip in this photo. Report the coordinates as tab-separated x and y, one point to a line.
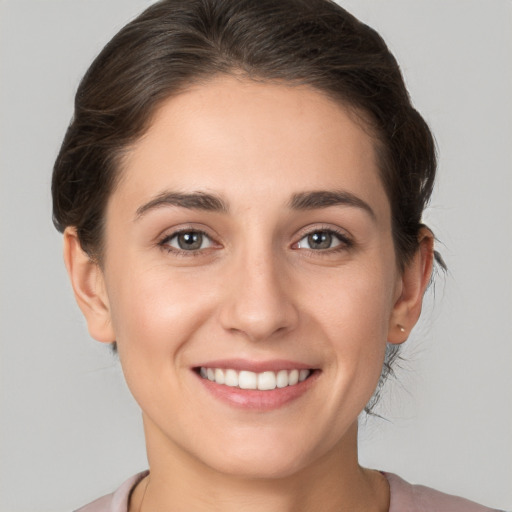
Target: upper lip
255	366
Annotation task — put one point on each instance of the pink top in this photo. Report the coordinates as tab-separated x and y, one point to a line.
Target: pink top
404	498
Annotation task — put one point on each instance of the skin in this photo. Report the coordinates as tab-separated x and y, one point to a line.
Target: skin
255	290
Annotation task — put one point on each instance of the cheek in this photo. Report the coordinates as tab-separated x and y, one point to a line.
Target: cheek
357	302
153	317
156	313
355	318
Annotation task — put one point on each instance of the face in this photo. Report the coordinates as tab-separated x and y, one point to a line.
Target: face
250	238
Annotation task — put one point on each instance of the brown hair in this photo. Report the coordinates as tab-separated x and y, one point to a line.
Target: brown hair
175	43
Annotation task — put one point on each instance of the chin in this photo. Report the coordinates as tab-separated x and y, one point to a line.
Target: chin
260	466
263	458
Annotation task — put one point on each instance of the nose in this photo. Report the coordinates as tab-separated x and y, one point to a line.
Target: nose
258	299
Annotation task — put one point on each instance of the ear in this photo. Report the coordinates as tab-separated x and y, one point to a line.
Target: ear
89	287
413	283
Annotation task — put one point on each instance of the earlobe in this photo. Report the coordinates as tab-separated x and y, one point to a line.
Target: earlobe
414	282
89	288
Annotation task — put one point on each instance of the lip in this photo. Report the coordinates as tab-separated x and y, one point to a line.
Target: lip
254	399
273	365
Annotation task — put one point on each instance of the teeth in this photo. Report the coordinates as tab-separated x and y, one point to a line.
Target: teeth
219	376
231	378
282	378
267	380
303	375
293	378
249	380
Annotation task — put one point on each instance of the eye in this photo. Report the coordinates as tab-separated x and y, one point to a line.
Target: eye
322	239
189	240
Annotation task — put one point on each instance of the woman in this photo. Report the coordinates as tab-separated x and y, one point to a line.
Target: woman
241	192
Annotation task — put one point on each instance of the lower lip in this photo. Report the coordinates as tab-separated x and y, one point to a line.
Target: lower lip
259	400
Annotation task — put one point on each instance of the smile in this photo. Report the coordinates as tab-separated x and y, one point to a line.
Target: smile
263	381
256	385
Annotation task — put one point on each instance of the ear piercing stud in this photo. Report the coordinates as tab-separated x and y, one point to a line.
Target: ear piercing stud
401	327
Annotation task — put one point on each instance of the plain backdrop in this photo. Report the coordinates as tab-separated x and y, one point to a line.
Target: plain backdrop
71	432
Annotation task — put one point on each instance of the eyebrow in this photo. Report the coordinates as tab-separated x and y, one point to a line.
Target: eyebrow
309	200
312	200
191	201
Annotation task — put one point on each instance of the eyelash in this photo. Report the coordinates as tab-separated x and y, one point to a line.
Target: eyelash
344	242
180	252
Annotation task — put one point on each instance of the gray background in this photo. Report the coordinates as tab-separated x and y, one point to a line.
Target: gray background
69	429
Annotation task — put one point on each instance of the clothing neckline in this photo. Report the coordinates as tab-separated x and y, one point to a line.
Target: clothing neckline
124	492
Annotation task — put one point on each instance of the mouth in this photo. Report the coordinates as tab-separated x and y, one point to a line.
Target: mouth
262	381
256	386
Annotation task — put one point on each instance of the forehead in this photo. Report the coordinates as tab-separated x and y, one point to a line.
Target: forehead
251	141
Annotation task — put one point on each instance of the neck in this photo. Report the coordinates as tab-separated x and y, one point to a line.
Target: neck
333	482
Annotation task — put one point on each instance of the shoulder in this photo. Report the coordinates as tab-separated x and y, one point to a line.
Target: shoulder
418	498
118	500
